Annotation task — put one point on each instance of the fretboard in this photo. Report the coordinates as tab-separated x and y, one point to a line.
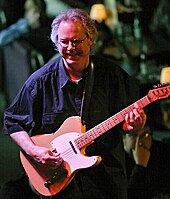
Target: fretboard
89	136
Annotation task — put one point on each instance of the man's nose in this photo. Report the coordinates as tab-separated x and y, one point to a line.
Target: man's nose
70	45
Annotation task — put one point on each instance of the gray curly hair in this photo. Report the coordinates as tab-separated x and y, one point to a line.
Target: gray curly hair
74	14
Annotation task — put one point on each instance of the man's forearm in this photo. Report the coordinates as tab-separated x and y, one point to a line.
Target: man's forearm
24	141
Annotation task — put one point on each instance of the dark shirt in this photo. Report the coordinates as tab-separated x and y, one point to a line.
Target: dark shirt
46	100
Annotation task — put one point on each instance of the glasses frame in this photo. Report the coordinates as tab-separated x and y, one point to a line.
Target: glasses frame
75	42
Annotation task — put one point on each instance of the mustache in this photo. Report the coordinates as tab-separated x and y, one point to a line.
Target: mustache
73	52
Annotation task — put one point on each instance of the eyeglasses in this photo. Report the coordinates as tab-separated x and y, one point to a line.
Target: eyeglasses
74	42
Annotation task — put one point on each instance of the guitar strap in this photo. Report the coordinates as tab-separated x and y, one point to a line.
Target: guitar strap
87	95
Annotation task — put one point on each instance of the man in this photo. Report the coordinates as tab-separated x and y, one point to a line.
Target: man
68	86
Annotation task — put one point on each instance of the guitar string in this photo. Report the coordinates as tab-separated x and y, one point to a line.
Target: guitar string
66	152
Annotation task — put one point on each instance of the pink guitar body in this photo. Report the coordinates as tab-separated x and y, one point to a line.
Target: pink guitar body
74	159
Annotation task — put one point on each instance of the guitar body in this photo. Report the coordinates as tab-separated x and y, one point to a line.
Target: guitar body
62	141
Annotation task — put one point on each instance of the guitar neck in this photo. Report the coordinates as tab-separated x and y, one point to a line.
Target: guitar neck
106	125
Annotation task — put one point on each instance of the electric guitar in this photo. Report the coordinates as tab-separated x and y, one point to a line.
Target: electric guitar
70	141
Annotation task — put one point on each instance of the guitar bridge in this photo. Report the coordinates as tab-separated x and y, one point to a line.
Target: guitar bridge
59	174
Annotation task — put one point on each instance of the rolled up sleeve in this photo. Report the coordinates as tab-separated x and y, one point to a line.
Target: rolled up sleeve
19	115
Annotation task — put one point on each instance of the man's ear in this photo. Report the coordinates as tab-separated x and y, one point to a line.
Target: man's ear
91	43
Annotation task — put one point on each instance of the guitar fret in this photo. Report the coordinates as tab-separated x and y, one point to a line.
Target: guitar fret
115	121
104	126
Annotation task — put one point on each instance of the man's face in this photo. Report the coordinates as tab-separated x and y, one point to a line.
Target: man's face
74	45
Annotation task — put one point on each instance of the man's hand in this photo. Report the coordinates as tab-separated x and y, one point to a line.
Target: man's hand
46	157
135	120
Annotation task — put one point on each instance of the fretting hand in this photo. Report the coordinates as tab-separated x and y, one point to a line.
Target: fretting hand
135	120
